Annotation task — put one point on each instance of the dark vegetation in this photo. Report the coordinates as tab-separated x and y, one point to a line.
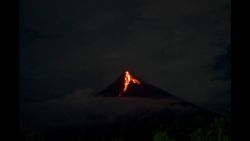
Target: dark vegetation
144	127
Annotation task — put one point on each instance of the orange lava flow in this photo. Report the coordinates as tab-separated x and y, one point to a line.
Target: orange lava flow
128	78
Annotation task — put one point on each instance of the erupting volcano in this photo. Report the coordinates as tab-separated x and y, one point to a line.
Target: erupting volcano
128	78
128	85
128	107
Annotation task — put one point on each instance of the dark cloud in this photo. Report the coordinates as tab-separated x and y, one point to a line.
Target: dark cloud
175	45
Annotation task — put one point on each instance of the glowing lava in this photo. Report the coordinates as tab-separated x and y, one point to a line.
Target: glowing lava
128	78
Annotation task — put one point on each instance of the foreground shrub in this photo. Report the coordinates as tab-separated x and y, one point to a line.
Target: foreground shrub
161	136
219	130
34	136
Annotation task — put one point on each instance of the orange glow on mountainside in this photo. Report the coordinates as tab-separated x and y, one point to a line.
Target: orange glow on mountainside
128	78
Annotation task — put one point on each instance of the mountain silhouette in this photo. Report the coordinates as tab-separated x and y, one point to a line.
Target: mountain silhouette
140	90
178	117
137	90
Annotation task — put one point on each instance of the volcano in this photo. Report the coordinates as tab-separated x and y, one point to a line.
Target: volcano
128	85
129	108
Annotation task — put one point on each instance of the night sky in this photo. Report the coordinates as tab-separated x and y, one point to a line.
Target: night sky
75	47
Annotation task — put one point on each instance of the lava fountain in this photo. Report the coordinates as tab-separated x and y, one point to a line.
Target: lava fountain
128	79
